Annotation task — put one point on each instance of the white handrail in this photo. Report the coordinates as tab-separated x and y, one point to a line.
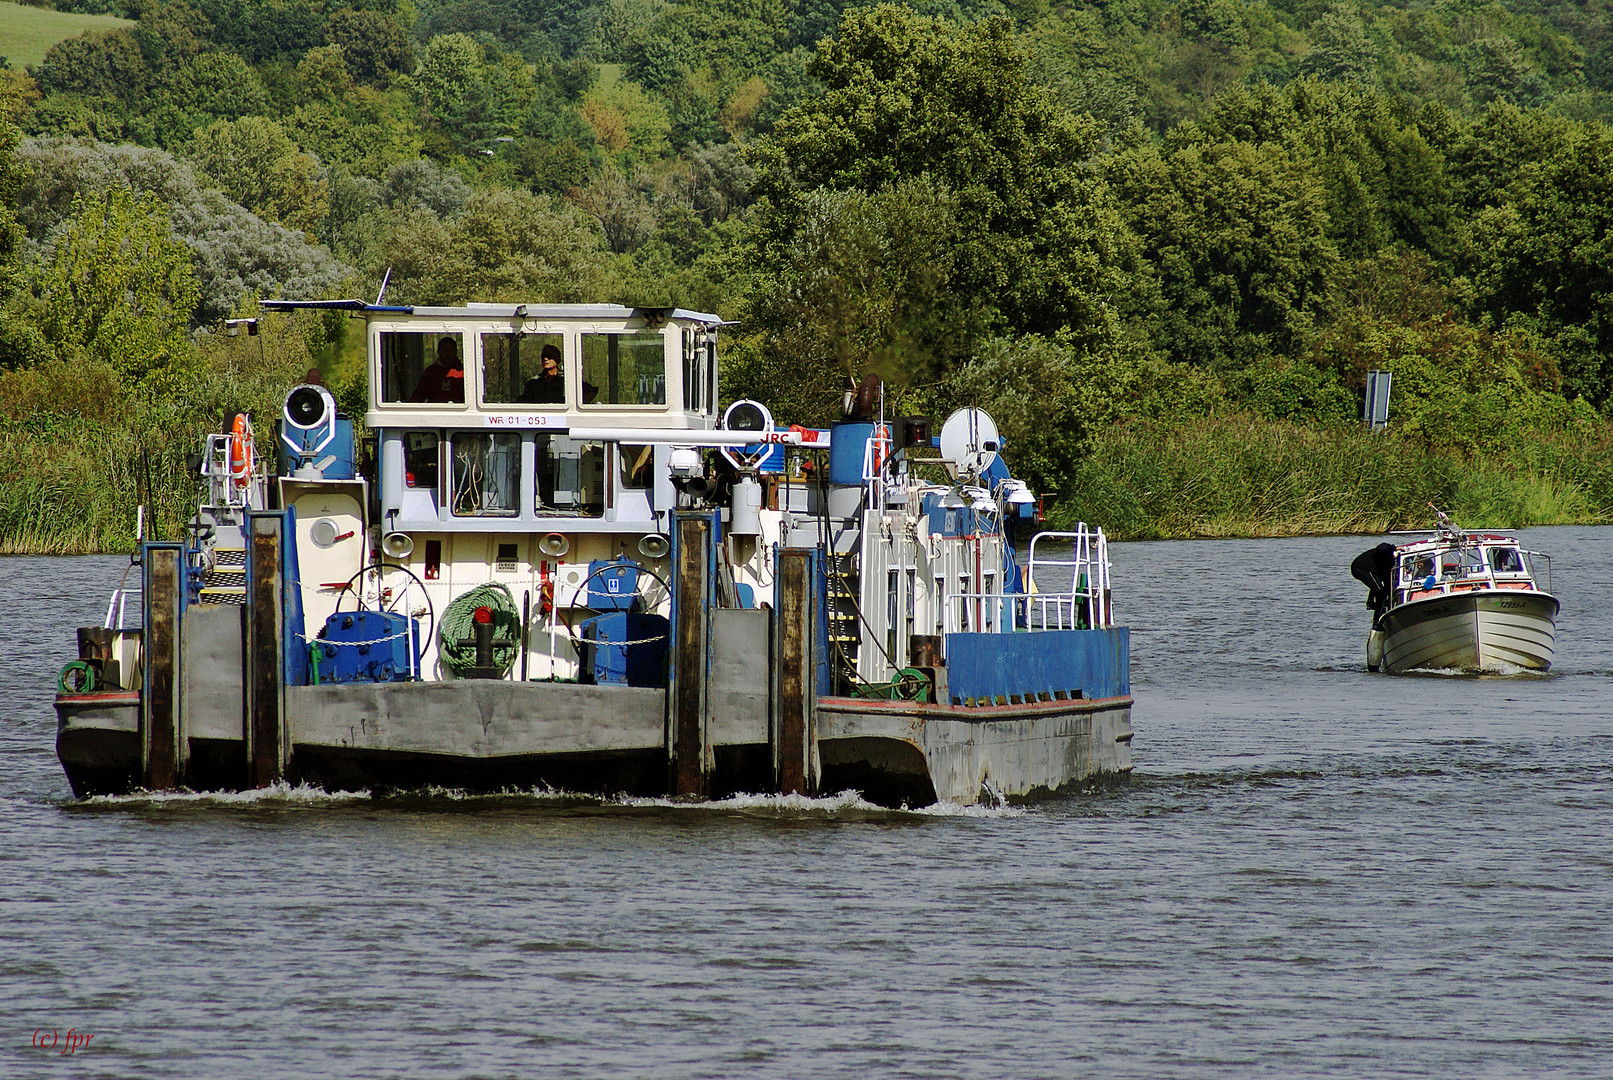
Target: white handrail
1089	559
876	458
1084	605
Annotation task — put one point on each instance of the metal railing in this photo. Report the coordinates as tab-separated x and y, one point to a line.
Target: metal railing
1088	593
877	453
230	482
1083	606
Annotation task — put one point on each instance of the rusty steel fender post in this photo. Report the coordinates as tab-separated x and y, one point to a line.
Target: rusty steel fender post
267	745
688	730
794	727
162	737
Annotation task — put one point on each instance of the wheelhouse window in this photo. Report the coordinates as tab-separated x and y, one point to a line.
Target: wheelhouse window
637	465
1460	564
570	476
486	474
421	368
420	459
624	368
697	362
523	369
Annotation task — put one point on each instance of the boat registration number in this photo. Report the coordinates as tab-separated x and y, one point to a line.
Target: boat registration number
522	420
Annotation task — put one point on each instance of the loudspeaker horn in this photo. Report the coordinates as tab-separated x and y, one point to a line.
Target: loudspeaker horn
397	545
554	545
653	546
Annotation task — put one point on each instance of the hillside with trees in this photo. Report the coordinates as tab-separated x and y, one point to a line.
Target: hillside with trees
1162	241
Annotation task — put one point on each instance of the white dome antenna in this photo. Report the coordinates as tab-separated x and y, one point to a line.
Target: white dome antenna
969	442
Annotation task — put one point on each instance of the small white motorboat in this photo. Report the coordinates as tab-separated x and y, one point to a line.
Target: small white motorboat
1457	600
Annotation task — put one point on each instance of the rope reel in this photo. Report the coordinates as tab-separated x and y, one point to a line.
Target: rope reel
77	677
459	626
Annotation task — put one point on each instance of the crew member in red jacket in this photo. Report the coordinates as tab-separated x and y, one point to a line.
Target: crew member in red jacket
443	381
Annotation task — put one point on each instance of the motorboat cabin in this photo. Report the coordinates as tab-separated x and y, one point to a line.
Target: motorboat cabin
1458	600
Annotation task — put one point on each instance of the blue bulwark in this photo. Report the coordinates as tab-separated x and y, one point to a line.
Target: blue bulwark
985	669
295	645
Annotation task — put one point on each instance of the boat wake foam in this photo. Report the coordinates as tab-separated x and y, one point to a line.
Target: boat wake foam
1500	671
845	805
275	796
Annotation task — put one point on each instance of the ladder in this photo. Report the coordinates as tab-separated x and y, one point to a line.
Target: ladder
225	583
845	593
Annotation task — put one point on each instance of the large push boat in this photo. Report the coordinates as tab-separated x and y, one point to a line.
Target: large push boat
1458	601
554	562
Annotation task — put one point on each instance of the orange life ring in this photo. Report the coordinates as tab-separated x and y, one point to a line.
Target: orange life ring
241	450
882	441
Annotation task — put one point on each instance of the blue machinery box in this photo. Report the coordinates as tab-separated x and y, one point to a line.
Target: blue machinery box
366	646
626	647
622	645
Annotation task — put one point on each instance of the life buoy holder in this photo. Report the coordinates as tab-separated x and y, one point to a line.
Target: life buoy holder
241	451
881	448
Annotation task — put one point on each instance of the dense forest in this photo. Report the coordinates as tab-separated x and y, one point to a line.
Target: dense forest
1162	241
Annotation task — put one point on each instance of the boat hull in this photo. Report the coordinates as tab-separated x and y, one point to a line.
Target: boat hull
899	752
492	736
1478	630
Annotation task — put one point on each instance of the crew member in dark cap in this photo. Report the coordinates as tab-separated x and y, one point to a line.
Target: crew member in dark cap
548	387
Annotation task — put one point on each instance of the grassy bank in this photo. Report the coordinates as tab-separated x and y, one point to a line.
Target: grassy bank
80	450
1236	476
27	33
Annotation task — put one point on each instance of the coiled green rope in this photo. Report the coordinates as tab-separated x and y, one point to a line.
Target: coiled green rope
459	625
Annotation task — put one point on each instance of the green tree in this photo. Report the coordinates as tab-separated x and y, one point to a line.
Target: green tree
105	64
449	71
1237	235
366	130
213	86
235	253
117	287
1341	48
375	45
504	245
859	289
1037	241
12	178
1385	184
16	344
254	162
1543	258
627	122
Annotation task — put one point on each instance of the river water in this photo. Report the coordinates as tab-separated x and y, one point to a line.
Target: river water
1314	871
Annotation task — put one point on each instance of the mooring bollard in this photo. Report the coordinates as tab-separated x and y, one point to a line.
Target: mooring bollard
266	749
794	730
162	738
689	732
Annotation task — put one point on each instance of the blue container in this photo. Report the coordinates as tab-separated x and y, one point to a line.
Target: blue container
336	458
613	584
366	646
848	443
625	648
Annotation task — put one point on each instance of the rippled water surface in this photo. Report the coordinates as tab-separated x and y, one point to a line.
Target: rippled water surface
1314	871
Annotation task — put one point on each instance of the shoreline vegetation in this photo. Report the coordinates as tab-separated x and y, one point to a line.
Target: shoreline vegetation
1241	477
73	483
1162	242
